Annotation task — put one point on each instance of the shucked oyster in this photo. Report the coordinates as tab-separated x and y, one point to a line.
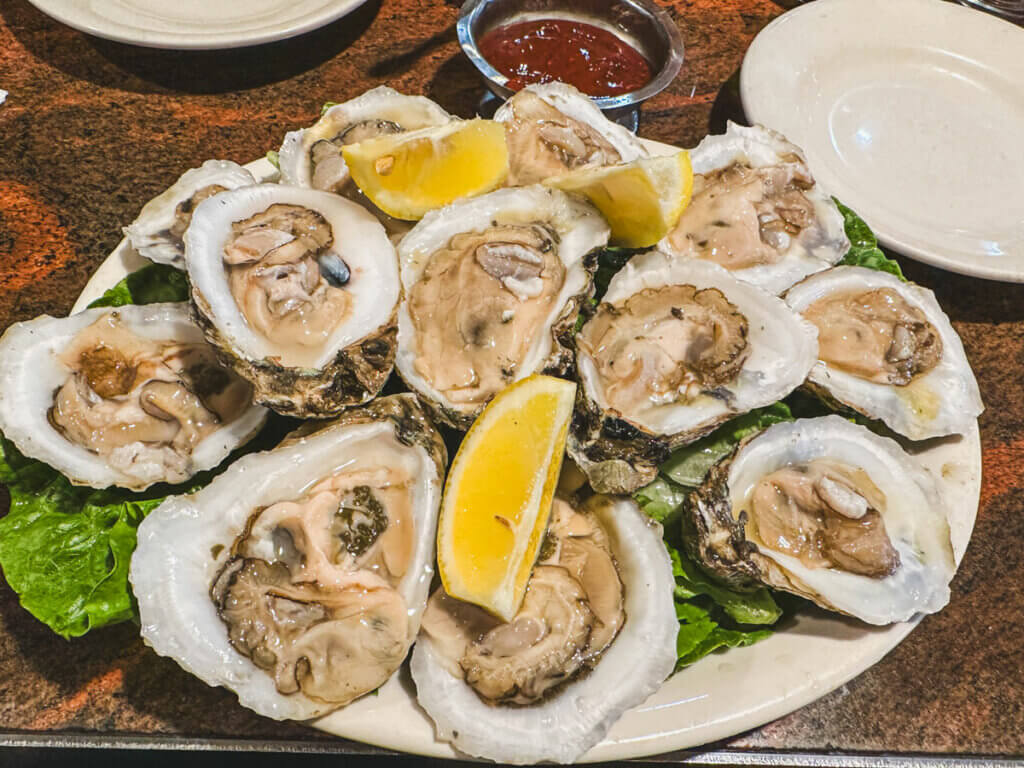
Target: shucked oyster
158	232
887	350
757	211
675	348
298	576
493	286
129	397
298	290
553	128
312	157
595	635
828	510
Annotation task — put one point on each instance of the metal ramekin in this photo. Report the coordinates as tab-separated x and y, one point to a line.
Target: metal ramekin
640	23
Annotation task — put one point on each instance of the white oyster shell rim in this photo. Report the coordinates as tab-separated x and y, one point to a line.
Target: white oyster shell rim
719	696
380	103
172	582
158	214
31	373
916	520
950	386
572	103
571	721
358	238
579	226
783	345
761	147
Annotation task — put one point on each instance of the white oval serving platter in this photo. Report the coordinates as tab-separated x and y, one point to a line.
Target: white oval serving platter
719	696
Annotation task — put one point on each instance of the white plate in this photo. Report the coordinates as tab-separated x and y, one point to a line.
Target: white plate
912	113
196	24
719	696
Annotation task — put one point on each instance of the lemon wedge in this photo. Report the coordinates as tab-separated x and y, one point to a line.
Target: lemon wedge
498	495
408	174
641	200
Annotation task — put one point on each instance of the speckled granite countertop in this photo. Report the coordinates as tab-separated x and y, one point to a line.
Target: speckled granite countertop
91	130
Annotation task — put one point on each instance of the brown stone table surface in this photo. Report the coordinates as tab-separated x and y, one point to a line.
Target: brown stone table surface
93	129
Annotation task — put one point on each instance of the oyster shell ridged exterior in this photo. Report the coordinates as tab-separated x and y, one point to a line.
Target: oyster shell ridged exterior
357	358
621	452
717	523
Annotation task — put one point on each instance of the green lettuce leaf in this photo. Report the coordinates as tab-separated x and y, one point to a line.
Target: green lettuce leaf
661	500
688	465
864	250
609	261
65	549
712	616
152	284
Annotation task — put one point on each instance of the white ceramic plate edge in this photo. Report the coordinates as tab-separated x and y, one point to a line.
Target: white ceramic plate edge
720	696
763	104
64	12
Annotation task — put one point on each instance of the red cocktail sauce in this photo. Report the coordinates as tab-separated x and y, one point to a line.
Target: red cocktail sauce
588	57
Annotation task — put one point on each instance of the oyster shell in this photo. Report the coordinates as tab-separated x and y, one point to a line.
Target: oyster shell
553	128
493	286
826	509
757	211
159	230
675	348
312	157
297	578
594	637
298	290
887	350
130	396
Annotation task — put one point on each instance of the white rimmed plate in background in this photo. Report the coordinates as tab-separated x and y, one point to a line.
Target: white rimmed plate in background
196	24
912	113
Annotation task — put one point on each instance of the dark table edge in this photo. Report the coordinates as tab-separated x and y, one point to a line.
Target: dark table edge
716	757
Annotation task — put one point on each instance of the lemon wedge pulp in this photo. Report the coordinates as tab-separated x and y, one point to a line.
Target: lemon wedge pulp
641	200
408	174
498	495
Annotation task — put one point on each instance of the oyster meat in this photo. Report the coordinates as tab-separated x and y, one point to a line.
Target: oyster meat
297	578
493	286
158	232
675	348
828	510
298	290
887	350
129	397
594	636
757	211
553	128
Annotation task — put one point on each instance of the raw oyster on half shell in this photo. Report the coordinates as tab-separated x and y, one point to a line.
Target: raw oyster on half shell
553	128
130	396
158	232
676	347
887	350
826	509
297	578
595	635
757	211
298	290
312	157
493	286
